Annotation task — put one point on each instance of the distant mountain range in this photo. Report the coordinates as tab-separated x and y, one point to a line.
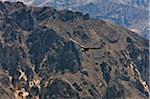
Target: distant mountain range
131	14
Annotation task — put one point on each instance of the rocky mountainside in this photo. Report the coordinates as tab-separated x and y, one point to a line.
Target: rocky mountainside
50	54
131	14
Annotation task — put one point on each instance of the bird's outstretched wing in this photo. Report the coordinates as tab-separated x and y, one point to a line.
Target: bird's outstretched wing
83	48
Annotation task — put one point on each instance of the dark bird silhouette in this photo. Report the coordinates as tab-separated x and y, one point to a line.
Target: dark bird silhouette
83	48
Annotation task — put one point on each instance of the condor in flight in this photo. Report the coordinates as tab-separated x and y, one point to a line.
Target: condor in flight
83	48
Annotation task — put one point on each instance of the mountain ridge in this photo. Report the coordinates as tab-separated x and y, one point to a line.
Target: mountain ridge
131	14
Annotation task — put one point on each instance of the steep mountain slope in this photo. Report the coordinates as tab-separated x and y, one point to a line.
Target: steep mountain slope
132	14
6	88
52	54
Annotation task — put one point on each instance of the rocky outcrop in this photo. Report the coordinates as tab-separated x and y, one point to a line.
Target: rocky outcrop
6	88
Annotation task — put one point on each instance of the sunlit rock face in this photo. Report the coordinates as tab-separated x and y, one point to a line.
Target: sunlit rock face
51	54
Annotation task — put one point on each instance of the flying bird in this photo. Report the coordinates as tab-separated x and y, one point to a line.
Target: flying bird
83	48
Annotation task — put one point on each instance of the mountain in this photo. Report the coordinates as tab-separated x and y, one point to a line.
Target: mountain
59	54
131	14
